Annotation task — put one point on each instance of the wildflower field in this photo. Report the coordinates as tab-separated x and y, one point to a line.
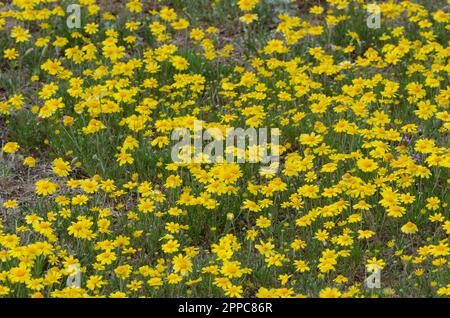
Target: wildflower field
93	204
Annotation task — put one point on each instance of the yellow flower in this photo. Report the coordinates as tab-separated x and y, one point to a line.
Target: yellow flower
123	271
330	293
171	246
249	18
19	275
247	5
366	165
167	14
29	161
10	54
11	147
45	187
10	204
20	34
61	167
155	281
316	10
94	282
409	228
182	264
263	222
